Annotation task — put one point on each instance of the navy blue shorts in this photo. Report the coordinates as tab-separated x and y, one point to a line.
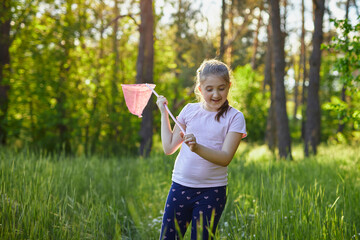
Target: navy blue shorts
200	206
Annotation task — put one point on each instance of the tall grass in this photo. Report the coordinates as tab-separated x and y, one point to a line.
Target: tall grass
48	197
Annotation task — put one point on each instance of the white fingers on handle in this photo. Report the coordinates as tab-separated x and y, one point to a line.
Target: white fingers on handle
189	138
161	101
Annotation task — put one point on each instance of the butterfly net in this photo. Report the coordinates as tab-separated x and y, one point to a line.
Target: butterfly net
136	97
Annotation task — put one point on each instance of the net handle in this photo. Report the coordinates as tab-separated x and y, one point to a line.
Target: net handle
167	109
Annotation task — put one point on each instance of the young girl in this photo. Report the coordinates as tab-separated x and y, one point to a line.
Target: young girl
213	133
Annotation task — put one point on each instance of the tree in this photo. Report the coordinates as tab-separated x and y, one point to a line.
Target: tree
313	111
18	13
5	19
269	79
228	50
304	69
301	64
114	116
63	79
343	90
346	49
144	71
91	144
222	34
256	38
282	122
234	46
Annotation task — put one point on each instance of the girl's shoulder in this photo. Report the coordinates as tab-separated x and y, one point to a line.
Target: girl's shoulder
233	115
192	107
236	121
233	111
189	111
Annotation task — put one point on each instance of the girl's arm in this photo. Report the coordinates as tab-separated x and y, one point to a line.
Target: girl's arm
171	140
222	157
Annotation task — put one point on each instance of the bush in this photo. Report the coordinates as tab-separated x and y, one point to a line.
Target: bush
246	96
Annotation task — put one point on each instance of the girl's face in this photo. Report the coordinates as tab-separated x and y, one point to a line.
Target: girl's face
214	90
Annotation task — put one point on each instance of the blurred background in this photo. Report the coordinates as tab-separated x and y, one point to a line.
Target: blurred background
295	70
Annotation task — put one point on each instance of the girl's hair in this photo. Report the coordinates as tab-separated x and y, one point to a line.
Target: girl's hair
213	67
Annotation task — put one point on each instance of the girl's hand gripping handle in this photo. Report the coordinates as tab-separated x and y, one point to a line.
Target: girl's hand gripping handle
162	102
190	140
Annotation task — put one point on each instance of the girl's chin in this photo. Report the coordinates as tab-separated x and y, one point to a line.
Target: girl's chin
216	103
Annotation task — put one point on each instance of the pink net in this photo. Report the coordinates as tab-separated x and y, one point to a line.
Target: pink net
136	97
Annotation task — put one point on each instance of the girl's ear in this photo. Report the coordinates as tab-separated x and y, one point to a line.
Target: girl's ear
199	88
229	84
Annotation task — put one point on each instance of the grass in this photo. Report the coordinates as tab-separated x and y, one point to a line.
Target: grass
59	197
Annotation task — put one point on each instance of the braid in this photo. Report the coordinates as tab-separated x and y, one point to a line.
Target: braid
222	110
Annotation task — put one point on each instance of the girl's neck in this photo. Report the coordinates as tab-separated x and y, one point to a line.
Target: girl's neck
203	106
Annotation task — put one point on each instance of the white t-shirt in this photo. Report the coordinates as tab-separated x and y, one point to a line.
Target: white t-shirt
190	169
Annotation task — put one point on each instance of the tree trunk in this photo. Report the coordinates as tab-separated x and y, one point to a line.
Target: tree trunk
284	16
356	8
269	79
90	146
144	69
341	125
114	122
63	129
240	30
222	34
63	126
296	88
304	71
282	121
256	40
268	59
228	51
5	42
313	112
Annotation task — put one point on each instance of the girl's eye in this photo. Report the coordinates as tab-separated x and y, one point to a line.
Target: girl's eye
209	90
222	89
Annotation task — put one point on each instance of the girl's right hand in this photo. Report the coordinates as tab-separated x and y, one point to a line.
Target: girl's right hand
190	140
161	101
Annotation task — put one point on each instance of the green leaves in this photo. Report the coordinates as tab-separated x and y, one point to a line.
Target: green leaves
346	46
246	95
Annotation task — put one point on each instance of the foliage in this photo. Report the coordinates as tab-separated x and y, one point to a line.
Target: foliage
346	47
46	196
247	96
68	64
66	75
63	75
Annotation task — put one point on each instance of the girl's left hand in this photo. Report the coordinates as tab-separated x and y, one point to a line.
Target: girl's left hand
190	140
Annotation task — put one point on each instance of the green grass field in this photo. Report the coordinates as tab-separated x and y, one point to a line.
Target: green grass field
58	197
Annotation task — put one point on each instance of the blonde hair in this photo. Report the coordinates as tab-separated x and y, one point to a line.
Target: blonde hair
219	69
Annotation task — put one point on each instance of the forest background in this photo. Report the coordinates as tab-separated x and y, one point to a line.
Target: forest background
69	148
62	63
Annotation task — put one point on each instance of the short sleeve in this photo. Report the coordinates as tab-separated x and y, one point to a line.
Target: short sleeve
182	116
238	124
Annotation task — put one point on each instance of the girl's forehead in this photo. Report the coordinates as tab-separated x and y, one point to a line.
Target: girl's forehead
213	80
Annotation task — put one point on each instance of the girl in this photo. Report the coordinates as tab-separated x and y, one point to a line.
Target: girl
214	131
